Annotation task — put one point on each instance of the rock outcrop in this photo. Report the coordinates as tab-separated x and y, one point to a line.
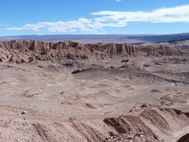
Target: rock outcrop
27	51
141	126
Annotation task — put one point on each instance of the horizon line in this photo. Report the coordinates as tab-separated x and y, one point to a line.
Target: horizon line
94	34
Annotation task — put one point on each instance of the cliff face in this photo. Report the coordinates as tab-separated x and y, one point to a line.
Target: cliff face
27	51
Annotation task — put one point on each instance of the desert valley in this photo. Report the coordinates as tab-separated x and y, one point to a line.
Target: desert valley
94	92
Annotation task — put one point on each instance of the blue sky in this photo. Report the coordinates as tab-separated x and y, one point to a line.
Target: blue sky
29	17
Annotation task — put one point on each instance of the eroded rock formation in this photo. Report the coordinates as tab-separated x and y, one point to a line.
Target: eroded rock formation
27	51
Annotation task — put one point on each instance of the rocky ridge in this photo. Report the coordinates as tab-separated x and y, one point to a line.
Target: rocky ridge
28	51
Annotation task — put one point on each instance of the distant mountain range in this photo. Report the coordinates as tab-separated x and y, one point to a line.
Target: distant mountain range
103	38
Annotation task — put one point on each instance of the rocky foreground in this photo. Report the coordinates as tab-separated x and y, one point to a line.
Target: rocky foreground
75	92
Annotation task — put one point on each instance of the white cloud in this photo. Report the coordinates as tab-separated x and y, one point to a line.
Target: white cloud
111	19
81	24
163	15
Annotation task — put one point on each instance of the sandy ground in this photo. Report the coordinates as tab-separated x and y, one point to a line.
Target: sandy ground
39	100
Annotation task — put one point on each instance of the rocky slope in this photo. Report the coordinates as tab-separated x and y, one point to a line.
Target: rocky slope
27	51
149	124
